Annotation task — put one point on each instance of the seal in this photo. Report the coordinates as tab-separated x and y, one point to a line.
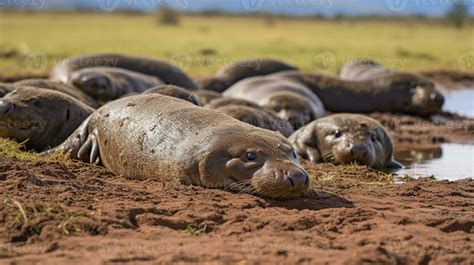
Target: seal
392	93
57	86
290	100
165	71
174	91
108	83
344	138
257	117
206	96
41	117
175	139
239	70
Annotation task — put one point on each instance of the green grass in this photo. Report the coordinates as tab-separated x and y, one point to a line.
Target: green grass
205	44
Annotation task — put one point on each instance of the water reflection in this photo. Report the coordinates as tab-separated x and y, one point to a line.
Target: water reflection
460	102
446	161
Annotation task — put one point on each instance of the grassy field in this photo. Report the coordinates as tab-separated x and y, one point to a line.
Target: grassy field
33	43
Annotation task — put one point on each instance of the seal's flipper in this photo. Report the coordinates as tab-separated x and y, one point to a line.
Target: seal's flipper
90	149
393	164
81	140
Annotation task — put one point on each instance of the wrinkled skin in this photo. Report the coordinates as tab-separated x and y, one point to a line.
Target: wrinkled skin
290	100
156	136
174	91
164	71
257	117
108	83
242	69
403	92
43	118
345	138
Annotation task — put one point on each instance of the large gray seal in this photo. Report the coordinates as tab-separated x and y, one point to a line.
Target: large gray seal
109	83
43	118
390	93
345	138
290	100
239	70
156	136
165	71
57	86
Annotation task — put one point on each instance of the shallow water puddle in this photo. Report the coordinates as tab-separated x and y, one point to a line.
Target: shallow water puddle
446	161
460	102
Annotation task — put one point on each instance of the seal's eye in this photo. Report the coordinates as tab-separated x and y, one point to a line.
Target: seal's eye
37	104
293	154
373	138
250	156
337	133
277	108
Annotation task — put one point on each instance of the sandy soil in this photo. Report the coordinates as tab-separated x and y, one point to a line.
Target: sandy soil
50	213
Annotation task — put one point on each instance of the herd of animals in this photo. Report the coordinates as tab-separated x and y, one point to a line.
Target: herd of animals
243	128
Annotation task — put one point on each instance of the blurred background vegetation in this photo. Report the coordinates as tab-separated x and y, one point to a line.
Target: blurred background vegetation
33	41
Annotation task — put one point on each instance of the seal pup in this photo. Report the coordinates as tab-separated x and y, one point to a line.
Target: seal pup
390	93
345	138
43	118
165	71
156	136
239	70
57	86
108	83
290	100
174	91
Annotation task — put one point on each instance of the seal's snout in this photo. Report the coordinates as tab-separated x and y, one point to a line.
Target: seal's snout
298	179
359	152
5	107
437	98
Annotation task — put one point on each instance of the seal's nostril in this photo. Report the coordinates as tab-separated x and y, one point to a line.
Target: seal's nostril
5	107
291	181
306	181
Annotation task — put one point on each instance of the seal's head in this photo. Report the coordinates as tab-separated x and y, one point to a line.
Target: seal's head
39	115
257	161
174	91
98	84
291	107
345	138
421	94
